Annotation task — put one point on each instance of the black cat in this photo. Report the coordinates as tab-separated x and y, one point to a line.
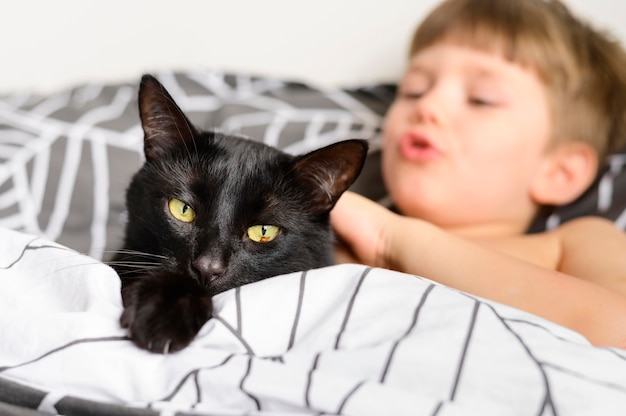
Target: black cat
208	212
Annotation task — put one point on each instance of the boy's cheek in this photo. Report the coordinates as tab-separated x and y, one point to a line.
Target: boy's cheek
394	125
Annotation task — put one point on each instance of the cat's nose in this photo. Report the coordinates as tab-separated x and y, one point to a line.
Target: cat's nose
209	268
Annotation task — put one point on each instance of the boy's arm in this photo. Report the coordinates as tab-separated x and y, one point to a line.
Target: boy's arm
380	238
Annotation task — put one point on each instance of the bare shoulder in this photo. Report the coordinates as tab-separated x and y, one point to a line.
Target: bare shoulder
590	234
589	226
594	249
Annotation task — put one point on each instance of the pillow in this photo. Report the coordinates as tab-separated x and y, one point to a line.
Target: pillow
66	158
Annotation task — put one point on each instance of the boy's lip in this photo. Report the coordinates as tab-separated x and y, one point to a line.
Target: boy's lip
417	147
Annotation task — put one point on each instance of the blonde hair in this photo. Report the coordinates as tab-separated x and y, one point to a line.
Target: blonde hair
583	69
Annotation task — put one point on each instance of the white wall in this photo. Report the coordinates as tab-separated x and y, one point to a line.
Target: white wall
47	45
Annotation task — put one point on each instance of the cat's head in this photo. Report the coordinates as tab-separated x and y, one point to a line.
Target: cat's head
227	210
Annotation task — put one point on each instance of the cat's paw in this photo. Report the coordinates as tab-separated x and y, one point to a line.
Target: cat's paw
163	312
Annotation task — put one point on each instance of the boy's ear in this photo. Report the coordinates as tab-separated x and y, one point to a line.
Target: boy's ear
569	169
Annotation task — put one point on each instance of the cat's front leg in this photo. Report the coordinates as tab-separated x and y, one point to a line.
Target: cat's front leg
164	311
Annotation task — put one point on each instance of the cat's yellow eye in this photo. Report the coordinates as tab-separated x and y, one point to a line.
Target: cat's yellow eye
263	233
181	211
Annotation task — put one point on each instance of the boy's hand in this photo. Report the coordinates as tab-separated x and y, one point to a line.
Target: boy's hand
364	229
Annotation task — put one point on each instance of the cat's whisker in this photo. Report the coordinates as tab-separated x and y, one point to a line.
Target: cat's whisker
126	269
68	256
136	253
137	257
129	263
133	264
72	266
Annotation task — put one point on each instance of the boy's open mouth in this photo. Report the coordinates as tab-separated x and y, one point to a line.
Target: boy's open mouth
416	147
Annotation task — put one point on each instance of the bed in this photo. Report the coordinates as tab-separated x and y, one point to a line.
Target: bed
339	340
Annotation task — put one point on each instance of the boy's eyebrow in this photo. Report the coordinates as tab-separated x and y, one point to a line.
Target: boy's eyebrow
476	74
415	67
475	70
483	73
486	74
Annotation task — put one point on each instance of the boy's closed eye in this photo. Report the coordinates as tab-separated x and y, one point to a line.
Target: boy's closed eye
482	102
411	95
475	101
487	92
414	85
491	95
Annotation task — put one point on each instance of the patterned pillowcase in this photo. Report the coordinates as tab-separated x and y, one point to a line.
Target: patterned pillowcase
66	158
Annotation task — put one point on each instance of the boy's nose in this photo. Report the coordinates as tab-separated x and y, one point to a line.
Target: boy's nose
425	110
430	107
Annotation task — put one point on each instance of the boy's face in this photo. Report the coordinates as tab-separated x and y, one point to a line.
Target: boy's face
465	138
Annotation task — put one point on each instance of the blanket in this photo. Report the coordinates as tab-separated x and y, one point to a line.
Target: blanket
346	339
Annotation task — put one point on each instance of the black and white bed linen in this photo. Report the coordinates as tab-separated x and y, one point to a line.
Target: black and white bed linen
339	340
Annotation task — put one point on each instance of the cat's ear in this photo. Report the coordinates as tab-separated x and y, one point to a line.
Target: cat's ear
164	124
328	172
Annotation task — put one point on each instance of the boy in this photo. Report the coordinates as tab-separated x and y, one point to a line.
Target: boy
505	108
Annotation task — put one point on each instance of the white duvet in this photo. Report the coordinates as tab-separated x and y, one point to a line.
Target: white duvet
339	340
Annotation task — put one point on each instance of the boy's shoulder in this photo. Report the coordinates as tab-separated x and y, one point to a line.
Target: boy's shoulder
593	248
585	230
584	247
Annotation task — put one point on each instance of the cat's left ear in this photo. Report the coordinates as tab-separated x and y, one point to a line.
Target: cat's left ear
329	171
164	124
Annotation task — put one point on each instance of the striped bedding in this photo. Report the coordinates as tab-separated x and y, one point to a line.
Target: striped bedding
343	340
339	340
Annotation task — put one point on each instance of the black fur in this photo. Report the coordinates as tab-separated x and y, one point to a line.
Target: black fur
170	269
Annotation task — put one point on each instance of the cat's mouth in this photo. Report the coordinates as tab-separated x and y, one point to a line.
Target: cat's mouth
217	285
